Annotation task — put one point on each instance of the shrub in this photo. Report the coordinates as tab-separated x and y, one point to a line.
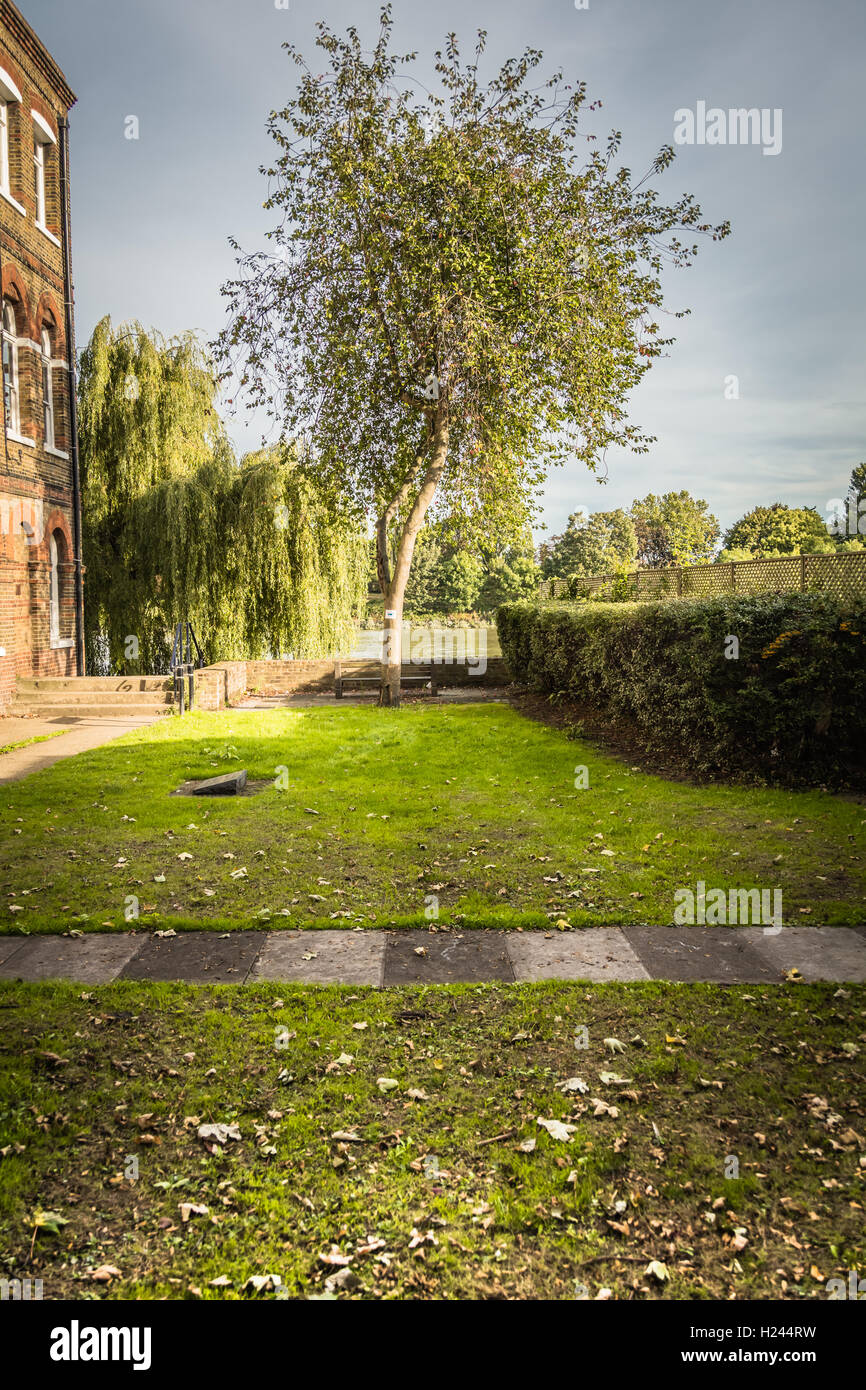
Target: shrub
788	708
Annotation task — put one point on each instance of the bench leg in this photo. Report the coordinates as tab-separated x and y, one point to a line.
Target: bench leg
338	689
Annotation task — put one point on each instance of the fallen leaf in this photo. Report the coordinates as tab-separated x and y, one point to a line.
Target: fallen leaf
557	1130
188	1209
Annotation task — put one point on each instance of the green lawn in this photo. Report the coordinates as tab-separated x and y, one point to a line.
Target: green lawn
475	806
393	1131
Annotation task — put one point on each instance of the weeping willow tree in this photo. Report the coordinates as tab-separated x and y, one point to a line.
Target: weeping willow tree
175	527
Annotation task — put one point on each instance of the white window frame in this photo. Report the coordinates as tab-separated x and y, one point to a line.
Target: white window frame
12	400
43	136
39	163
53	594
47	390
55	641
4	143
9	97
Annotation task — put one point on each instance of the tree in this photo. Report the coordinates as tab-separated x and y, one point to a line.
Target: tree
449	576
857	485
454	304
510	577
461	577
423	589
596	544
174	528
675	529
780	529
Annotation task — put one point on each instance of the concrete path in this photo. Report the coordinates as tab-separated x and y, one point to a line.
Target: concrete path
721	955
76	736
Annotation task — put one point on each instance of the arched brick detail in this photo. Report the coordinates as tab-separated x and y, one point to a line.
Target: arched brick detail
54	521
14	71
48	116
48	312
15	290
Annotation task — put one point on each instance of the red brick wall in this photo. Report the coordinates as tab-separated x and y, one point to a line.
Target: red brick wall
35	484
225	683
220	685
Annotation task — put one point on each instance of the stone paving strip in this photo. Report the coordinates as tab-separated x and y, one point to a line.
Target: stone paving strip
747	955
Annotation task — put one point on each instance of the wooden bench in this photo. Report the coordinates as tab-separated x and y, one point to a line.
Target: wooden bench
425	675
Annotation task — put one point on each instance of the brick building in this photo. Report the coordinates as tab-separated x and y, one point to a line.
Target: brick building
40	526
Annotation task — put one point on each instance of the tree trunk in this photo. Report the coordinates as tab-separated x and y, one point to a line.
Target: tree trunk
392	582
392	655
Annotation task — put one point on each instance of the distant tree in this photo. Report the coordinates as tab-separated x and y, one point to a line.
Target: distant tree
510	577
456	301
780	529
857	485
596	544
674	529
423	590
461	577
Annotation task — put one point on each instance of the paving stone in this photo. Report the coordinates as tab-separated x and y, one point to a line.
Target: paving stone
598	954
450	958
93	959
337	957
227	784
200	958
719	955
819	953
9	945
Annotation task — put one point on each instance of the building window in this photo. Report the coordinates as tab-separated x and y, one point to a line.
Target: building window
43	139
39	161
4	145
60	598
54	591
9	99
10	369
47	389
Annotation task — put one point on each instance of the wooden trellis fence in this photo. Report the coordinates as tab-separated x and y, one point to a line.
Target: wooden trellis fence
842	575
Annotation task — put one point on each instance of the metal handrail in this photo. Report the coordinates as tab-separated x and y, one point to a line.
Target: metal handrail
183	666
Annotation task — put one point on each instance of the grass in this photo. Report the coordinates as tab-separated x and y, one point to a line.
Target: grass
432	1192
26	742
387	814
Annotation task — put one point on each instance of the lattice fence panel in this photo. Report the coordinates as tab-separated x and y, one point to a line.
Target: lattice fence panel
844	576
841	575
705	581
768	576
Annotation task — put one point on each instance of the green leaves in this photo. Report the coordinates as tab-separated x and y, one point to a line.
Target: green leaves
462	240
788	710
260	558
50	1221
779	530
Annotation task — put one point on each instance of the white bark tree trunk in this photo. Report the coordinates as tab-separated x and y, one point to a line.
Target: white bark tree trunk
392	581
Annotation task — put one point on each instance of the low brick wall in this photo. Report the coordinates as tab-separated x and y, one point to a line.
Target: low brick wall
220	685
319	675
225	683
296	675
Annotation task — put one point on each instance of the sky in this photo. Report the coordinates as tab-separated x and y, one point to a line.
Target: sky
780	305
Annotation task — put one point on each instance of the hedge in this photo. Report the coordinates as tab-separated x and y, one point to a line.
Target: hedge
789	708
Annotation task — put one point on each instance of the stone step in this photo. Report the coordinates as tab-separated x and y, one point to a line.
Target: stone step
112	683
114	709
38	698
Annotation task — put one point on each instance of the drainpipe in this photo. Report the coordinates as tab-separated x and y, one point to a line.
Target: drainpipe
63	127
